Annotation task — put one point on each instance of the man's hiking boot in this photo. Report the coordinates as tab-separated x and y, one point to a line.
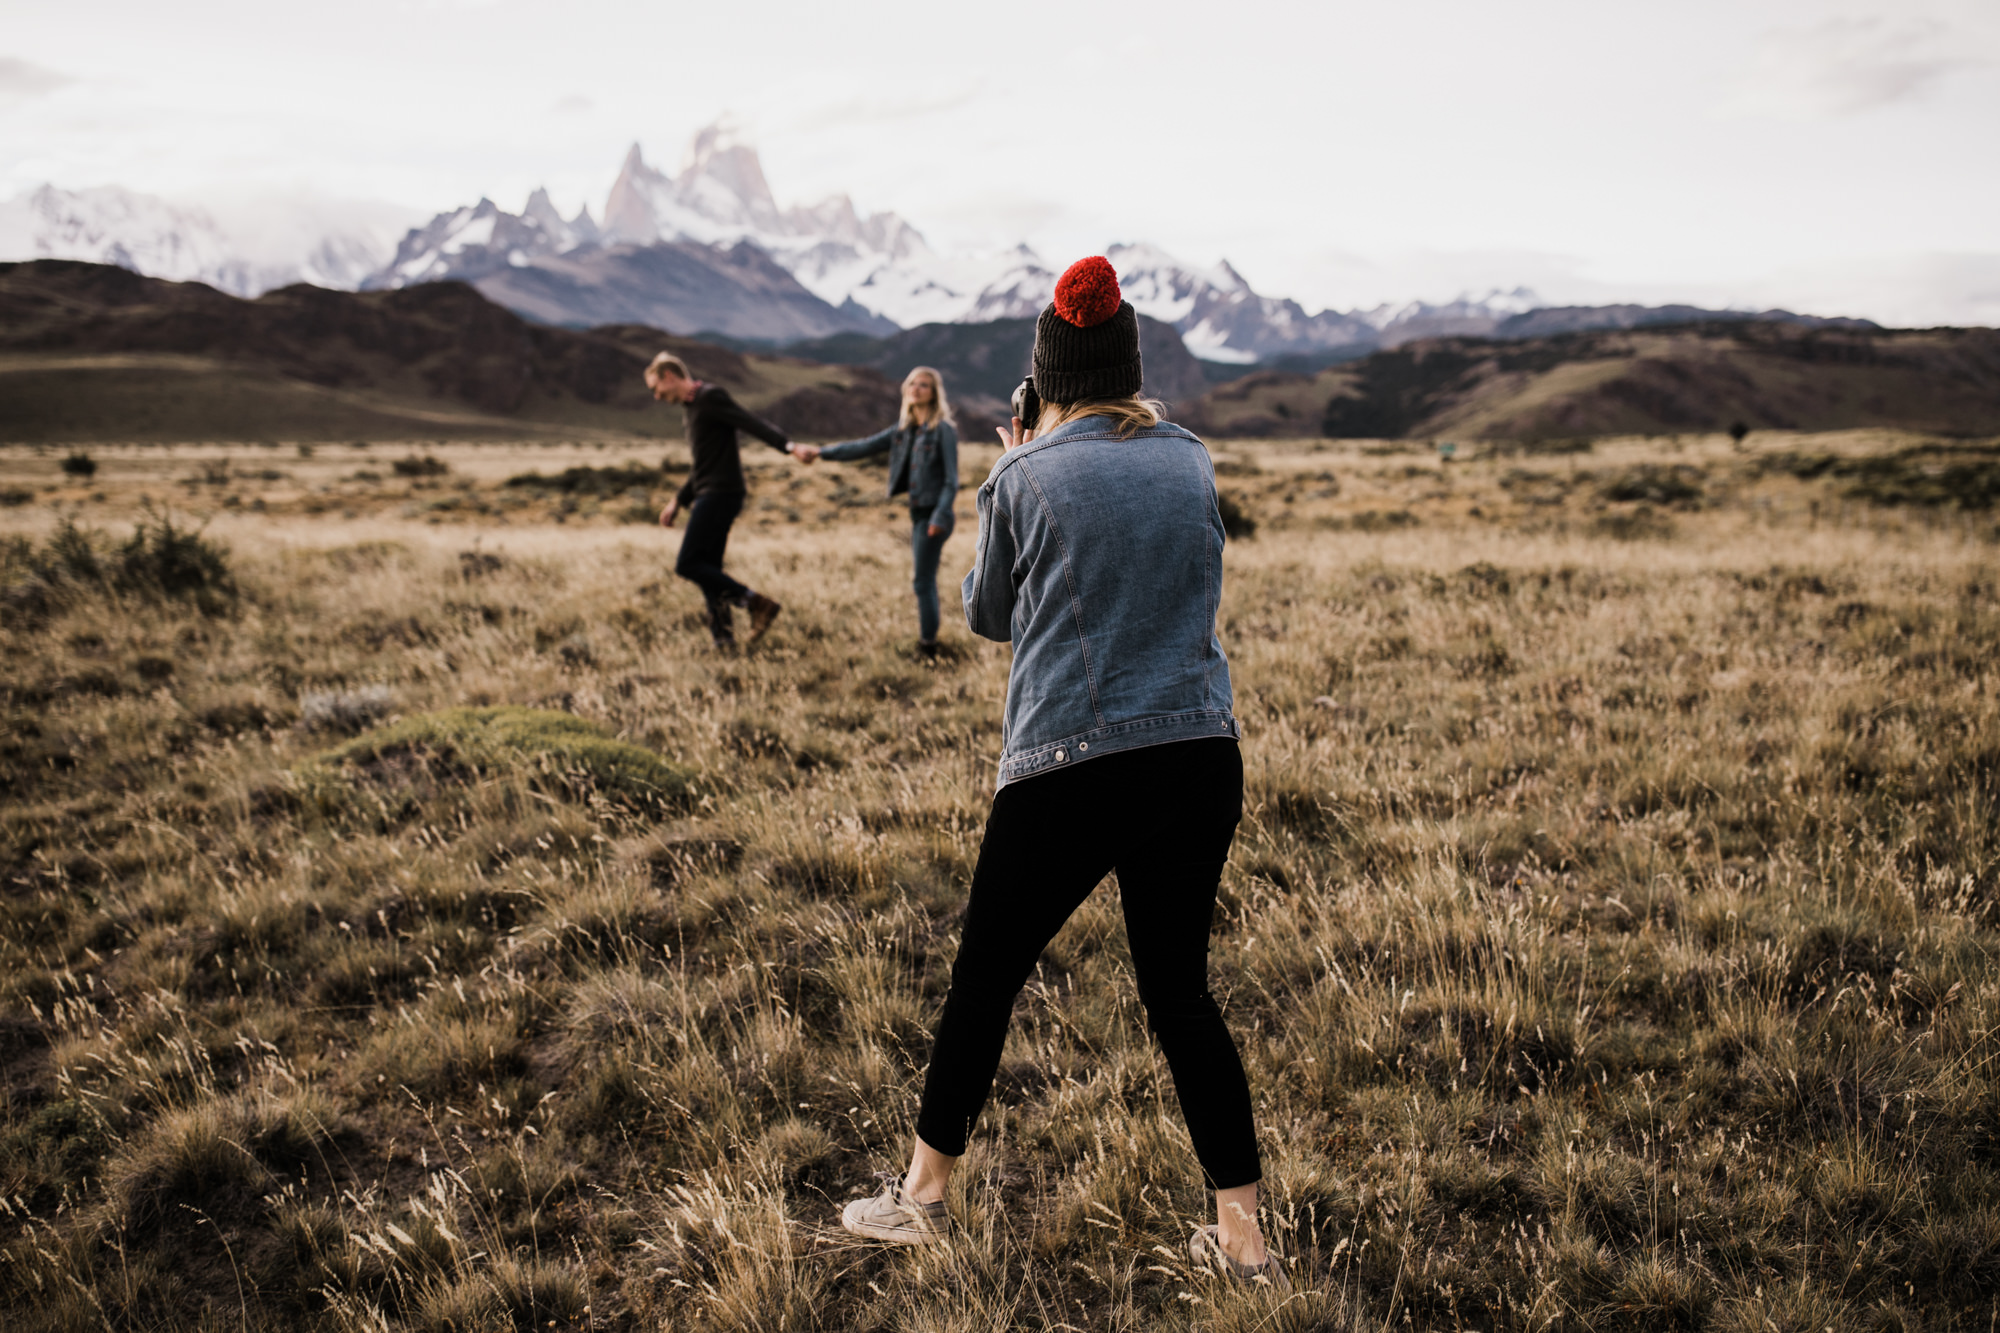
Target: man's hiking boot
894	1216
927	649
762	612
1206	1250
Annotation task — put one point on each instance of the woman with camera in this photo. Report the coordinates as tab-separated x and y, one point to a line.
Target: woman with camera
923	461
1100	560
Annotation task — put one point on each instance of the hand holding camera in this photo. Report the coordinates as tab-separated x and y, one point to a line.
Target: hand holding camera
1027	406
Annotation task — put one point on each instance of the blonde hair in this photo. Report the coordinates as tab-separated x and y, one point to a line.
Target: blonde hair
940	405
1130	414
666	363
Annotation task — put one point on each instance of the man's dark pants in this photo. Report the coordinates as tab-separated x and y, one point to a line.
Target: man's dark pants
700	560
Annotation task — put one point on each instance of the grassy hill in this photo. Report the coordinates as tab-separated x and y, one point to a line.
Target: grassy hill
1643	381
90	353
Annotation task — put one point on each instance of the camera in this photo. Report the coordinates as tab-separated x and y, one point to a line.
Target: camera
1027	403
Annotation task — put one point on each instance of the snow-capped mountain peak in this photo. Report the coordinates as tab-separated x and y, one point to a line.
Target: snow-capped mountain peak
271	240
1220	317
564	235
108	225
469	243
1467	316
721	197
1495	304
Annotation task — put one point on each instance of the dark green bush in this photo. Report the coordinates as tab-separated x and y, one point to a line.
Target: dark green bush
160	561
79	464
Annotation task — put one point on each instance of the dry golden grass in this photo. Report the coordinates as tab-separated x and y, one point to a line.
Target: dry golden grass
1609	934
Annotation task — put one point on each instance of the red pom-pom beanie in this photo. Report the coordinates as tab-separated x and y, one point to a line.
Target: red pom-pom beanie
1087	340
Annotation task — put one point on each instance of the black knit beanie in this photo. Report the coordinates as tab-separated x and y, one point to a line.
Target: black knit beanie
1087	340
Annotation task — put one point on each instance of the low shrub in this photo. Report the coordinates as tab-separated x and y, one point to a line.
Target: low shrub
1650	483
1642	523
558	750
426	466
589	480
1926	476
1373	520
1927	483
79	464
1237	523
160	561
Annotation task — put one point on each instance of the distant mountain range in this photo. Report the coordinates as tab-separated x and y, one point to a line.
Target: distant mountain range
1648	379
94	352
709	250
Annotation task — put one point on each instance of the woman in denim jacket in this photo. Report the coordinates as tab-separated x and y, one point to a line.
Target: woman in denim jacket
1100	560
923	460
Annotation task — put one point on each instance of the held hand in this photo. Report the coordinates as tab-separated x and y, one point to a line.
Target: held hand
805	453
670	513
1010	436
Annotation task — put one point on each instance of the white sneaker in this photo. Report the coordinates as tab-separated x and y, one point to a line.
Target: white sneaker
894	1216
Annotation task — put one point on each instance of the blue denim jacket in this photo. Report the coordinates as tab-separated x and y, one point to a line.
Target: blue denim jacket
922	461
1101	560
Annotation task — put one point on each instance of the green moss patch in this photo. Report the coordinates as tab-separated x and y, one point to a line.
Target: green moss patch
553	750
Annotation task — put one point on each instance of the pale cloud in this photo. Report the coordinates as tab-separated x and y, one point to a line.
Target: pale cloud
869	112
1906	290
1846	65
1343	280
23	80
571	104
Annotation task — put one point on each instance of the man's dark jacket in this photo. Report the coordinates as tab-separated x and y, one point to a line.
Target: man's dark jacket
713	419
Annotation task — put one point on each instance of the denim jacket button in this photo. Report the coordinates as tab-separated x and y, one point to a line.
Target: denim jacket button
1060	756
1081	746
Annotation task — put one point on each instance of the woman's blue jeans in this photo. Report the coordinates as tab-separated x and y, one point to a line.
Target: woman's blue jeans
925	551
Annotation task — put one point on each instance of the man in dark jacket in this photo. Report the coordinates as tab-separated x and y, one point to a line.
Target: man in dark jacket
714	491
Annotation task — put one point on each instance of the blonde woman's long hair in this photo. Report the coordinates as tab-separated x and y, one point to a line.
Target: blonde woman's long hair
907	419
1130	415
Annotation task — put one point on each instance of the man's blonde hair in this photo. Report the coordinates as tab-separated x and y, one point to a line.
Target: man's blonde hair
940	405
666	363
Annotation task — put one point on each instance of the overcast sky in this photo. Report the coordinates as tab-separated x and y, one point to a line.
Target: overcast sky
1837	157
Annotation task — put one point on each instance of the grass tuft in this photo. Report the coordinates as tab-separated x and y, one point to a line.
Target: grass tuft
553	750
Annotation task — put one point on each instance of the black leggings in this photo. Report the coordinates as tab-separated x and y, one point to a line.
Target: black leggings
1163	816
